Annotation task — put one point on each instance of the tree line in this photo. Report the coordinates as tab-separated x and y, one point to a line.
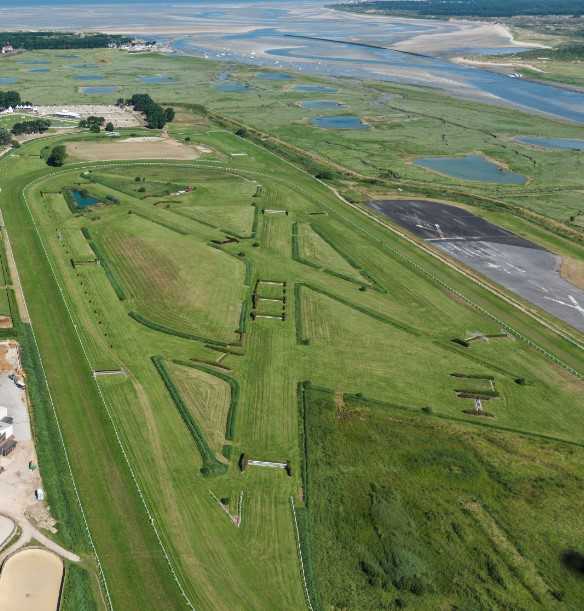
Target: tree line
467	8
60	40
156	116
36	126
10	98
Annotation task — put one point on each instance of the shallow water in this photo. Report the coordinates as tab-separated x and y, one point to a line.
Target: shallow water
570	144
83	200
157	79
314	89
339	122
274	76
89	77
471	167
39	70
7	80
321	104
231	86
99	89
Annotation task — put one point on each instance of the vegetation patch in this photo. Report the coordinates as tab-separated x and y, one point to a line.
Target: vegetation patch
415	538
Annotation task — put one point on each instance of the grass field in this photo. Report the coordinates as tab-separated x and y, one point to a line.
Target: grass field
160	278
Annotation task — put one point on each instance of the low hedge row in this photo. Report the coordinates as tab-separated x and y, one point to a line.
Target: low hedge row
4	262
243	316
160	222
473	376
227	451
169	331
107	268
300	336
356	266
296	249
477	391
363	310
234	395
211	466
302	513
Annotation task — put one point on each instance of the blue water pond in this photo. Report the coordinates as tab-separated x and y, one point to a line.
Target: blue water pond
273	76
314	89
7	80
339	122
88	77
232	86
321	104
570	144
83	200
471	167
157	79
99	90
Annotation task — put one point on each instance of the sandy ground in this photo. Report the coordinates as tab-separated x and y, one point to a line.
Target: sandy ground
573	271
134	148
6	530
31	581
470	34
513	66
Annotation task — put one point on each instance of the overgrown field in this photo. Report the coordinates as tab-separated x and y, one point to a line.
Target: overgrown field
211	289
406	510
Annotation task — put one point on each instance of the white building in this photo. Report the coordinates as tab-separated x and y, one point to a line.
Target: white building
7	48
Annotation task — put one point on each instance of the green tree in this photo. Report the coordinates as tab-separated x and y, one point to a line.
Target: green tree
109	127
57	156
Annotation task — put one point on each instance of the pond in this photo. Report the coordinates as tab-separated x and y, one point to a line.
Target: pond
7	80
339	122
99	90
314	89
157	79
322	104
569	144
231	86
88	77
39	70
471	167
32	62
273	76
85	66
83	200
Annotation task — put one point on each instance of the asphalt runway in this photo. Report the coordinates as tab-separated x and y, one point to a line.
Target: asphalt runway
519	265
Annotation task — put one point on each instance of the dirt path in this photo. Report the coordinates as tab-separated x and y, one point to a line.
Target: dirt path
27	533
22	309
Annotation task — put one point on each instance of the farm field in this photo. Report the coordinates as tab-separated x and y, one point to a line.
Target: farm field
243	311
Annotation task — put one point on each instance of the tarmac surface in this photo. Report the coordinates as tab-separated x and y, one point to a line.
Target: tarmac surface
519	265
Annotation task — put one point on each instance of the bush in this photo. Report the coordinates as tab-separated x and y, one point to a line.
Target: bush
57	156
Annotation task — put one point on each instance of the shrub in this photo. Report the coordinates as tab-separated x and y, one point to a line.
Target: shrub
57	156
